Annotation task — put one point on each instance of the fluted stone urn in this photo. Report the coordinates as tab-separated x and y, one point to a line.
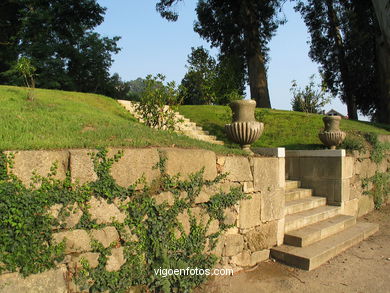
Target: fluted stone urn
244	128
332	136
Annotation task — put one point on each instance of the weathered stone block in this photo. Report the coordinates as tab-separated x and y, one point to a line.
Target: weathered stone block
263	237
292	168
164	197
105	213
242	259
26	162
71	215
52	281
105	236
272	205
76	240
81	166
266	174
234	244
347	167
91	257
366	205
321	167
280	231
249	213
134	164
259	256
188	161
115	260
201	218
238	168
350	207
230	216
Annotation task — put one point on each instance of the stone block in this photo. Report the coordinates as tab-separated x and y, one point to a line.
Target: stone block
91	257
242	259
230	216
350	207
26	162
366	205
234	244
238	168
321	167
134	164
164	197
292	168
263	237
266	174
189	161
105	213
272	205
76	240
249	213
201	218
347	167
81	166
280	231
70	216
248	187
259	256
105	236
115	260
52	281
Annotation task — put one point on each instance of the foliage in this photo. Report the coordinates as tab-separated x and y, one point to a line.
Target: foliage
353	143
380	187
309	99
343	37
154	101
27	70
239	29
156	239
378	150
209	82
57	37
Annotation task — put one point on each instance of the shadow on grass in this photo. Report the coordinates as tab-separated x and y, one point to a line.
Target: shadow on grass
300	146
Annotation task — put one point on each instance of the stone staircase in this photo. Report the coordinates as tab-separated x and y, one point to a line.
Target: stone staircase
183	125
316	232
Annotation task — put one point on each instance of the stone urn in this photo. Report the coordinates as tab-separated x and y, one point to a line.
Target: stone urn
244	128
332	136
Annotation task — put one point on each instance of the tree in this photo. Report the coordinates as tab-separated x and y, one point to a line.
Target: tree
237	28
343	43
382	10
56	35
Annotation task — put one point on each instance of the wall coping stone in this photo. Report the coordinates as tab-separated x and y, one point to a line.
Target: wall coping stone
315	153
270	152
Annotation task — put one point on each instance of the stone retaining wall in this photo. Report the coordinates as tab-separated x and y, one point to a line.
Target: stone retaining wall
336	176
258	222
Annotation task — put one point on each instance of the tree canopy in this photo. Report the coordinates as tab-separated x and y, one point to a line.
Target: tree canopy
56	35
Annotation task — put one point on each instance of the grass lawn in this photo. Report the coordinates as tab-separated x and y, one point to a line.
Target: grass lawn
292	130
60	119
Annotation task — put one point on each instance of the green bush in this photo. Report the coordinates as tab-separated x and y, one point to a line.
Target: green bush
154	101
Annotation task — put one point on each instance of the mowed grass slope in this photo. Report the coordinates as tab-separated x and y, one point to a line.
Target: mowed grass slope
292	130
60	119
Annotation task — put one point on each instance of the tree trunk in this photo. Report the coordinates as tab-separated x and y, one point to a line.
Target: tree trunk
255	60
382	9
344	71
383	69
258	80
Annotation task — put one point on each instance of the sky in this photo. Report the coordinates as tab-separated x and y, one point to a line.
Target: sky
150	45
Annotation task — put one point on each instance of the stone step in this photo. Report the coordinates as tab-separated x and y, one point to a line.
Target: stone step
292	184
303	204
318	231
297	193
312	256
301	219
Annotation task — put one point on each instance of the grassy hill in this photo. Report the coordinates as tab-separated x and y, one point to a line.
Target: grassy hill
292	130
60	119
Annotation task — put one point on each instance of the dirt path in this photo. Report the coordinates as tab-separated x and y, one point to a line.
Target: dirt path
363	268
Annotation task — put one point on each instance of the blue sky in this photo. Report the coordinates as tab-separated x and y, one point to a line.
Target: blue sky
151	45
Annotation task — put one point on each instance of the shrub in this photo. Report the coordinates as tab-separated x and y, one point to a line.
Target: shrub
157	102
309	99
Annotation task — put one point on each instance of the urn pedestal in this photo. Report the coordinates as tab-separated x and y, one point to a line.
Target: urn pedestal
332	136
244	128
